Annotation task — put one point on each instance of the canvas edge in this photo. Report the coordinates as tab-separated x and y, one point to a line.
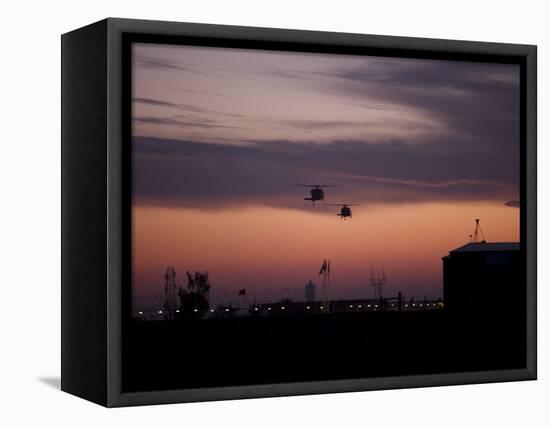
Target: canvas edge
116	28
83	209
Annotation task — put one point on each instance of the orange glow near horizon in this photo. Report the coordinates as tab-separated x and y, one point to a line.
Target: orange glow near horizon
266	249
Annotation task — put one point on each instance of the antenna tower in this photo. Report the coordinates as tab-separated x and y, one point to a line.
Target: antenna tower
377	281
477	232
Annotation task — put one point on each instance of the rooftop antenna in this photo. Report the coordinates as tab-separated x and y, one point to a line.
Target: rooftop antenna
478	231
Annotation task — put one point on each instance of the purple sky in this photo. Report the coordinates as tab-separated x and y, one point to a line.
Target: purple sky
228	131
406	129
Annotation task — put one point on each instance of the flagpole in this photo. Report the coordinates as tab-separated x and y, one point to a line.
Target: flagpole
323	292
328	285
324	286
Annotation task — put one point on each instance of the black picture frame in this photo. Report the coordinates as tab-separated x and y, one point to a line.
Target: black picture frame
96	200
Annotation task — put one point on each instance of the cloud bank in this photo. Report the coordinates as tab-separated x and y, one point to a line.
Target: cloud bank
200	175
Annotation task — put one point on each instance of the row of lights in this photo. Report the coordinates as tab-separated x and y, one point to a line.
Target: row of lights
309	307
177	311
420	305
361	306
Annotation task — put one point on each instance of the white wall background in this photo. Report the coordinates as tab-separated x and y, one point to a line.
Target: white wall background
30	212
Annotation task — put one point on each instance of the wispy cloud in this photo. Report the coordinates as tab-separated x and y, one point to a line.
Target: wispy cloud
182	122
202	92
184	107
437	184
155	102
163	64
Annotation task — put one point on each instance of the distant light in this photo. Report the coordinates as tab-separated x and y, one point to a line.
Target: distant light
283	308
406	305
414	304
226	310
140	312
195	310
321	307
269	309
392	305
360	306
351	306
255	309
376	306
178	311
211	310
307	307
368	306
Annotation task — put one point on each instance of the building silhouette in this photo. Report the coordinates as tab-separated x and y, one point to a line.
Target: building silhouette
481	276
310	291
170	292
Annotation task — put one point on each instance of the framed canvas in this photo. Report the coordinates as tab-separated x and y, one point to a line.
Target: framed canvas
252	212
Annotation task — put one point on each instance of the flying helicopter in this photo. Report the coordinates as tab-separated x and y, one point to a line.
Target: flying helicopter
317	193
345	210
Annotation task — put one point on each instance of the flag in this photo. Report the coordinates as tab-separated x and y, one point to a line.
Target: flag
242	292
323	267
328	266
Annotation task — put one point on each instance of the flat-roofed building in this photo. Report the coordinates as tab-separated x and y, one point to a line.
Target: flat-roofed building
484	276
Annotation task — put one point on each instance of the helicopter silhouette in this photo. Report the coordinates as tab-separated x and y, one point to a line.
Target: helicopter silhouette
317	193
345	210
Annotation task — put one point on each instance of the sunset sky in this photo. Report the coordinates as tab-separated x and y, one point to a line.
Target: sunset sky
221	135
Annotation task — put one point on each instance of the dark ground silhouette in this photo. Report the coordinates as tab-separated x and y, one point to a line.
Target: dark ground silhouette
243	351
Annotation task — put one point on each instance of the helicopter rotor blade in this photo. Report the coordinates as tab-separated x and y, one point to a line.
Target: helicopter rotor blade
315	186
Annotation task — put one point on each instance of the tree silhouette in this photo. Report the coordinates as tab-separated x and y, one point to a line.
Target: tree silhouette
194	300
